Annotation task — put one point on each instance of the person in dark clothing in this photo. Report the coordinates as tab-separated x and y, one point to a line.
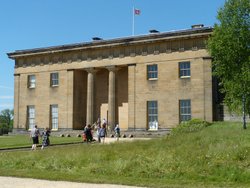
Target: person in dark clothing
88	132
45	136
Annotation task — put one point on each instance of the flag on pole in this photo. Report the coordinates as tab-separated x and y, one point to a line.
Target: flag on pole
137	11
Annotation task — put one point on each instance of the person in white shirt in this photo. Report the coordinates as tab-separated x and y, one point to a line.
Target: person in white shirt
34	134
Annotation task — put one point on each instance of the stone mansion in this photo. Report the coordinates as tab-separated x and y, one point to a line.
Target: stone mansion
146	82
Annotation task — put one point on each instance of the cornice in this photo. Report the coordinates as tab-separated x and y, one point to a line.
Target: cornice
126	41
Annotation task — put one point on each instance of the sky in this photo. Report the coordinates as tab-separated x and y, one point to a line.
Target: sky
31	24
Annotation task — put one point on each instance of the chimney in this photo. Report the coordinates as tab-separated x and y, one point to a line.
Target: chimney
96	38
196	26
153	31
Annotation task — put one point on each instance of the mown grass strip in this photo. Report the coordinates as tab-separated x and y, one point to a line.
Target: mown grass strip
214	156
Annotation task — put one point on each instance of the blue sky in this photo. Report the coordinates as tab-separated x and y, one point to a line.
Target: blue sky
30	24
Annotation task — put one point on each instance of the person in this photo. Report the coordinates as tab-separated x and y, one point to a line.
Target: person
88	132
104	122
103	132
98	126
117	132
34	134
45	136
84	138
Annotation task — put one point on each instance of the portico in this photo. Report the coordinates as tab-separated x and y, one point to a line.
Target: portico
102	109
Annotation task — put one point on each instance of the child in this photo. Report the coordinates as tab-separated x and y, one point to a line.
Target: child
84	138
117	132
103	133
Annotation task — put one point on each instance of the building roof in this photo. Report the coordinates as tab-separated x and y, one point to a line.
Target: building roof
114	42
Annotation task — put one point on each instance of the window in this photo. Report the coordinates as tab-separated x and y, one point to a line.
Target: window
31	81
54	116
31	116
152	71
54	79
185	110
184	69
152	107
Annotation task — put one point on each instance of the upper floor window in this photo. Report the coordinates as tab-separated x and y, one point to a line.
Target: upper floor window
184	69
152	71
54	79
31	81
31	116
185	110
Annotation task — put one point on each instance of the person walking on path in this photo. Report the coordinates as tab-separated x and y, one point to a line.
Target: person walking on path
117	132
98	127
103	133
45	136
34	134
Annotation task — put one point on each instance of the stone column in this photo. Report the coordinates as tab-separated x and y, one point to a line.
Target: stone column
90	95
131	96
70	99
208	99
16	101
111	97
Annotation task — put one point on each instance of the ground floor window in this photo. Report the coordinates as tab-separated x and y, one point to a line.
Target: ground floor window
185	110
31	116
54	116
152	108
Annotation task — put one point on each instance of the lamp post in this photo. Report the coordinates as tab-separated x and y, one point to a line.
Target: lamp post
244	111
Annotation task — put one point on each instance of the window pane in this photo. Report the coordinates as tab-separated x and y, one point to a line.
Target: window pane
54	116
54	79
31	81
152	115
31	116
184	69
152	71
185	110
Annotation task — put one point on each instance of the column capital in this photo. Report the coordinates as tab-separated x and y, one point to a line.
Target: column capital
112	68
91	70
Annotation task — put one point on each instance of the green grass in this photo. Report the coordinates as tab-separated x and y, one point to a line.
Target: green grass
213	156
25	141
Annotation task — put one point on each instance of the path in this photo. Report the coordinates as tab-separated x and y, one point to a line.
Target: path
11	182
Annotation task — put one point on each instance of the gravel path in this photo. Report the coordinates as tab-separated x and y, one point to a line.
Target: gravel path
11	182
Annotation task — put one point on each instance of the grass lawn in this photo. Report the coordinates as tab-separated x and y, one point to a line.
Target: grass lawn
25	141
215	156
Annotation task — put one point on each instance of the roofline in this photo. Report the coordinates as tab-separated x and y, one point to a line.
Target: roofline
113	42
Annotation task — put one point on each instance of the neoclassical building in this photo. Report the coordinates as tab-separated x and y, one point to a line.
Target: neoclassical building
147	82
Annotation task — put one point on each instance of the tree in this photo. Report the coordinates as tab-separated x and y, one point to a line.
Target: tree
6	120
229	47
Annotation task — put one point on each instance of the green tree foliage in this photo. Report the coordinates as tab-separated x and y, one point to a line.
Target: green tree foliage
230	48
6	120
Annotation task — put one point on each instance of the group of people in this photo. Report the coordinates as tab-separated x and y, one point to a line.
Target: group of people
35	134
101	131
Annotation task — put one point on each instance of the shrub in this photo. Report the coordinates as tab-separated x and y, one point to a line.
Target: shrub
190	126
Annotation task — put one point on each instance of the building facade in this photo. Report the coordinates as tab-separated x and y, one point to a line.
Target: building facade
148	82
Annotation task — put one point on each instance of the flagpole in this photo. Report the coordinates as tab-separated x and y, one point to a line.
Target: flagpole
133	22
